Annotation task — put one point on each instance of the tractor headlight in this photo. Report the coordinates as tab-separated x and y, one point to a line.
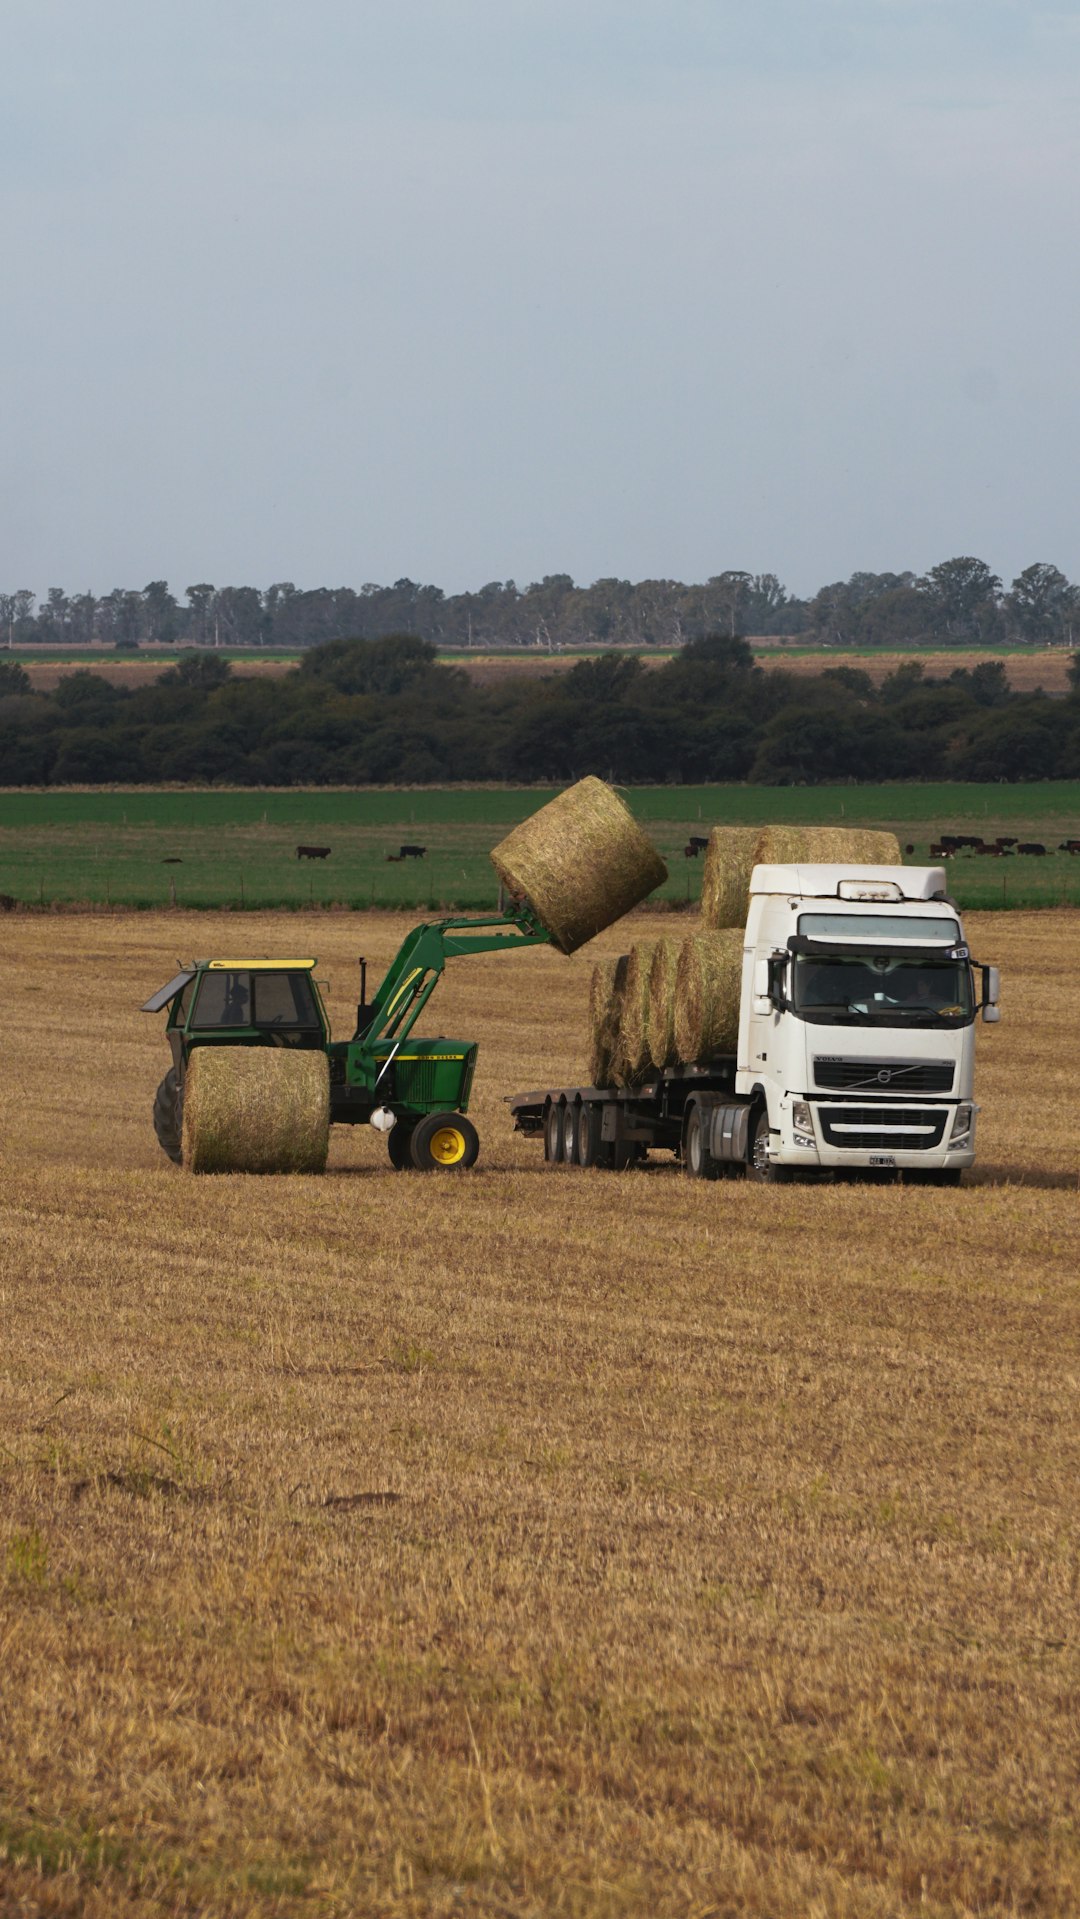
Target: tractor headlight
802	1122
961	1126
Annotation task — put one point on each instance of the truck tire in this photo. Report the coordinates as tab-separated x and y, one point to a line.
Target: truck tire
698	1161
169	1116
553	1134
588	1134
571	1124
444	1143
760	1168
398	1145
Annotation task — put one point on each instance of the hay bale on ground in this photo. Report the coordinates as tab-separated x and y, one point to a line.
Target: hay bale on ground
661	1026
708	982
256	1109
734	851
606	989
634	1018
581	862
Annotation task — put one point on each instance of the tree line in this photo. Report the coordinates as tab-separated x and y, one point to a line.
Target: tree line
957	603
356	712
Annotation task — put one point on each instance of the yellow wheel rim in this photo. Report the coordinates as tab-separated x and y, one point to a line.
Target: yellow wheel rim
448	1146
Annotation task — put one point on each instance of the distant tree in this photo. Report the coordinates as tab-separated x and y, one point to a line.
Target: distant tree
200	668
389	666
1042	607
13	677
200	599
964	596
160	613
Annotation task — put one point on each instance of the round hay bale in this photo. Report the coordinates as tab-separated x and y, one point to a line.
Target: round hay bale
256	1109
661	1022
581	862
708	982
725	883
606	990
634	1017
734	851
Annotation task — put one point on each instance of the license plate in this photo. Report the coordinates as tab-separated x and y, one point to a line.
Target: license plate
882	1159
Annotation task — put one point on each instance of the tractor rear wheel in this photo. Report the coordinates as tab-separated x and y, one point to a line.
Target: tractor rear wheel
169	1116
444	1142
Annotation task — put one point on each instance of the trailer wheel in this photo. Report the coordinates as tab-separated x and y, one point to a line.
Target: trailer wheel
588	1134
761	1167
444	1142
571	1128
553	1134
698	1161
168	1116
399	1146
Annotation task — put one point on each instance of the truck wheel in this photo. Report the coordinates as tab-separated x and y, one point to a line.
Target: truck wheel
444	1142
553	1134
169	1116
761	1167
398	1145
571	1125
697	1160
588	1134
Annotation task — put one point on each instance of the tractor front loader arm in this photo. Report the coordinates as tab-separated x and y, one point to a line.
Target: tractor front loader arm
416	968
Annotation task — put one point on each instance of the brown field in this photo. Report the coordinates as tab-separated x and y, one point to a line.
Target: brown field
534	1541
1047	669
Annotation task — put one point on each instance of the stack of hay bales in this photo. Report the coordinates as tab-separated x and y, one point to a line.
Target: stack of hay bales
734	851
673	1001
256	1109
580	863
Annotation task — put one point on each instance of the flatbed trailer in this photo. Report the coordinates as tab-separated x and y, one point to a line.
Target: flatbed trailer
686	1110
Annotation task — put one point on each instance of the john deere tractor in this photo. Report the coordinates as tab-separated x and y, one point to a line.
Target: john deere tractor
414	1090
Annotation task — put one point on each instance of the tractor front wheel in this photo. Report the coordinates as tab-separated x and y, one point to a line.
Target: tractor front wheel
399	1146
444	1142
169	1116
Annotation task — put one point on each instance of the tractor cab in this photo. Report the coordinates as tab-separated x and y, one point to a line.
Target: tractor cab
250	1002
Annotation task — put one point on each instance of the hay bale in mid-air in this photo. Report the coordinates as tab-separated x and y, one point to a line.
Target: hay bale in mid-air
581	862
606	989
734	851
708	982
256	1109
634	1051
661	1022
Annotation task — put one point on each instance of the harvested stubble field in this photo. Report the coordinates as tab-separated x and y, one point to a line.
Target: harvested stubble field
534	1541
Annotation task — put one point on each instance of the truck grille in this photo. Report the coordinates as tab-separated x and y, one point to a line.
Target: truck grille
884	1129
908	1076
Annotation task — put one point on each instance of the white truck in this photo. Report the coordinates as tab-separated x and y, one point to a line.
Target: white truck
856	1047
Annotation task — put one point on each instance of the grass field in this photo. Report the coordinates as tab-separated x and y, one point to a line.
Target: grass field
238	848
537	1541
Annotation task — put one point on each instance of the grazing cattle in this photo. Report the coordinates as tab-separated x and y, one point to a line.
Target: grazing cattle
313	852
941	850
1004	841
996	852
949	839
411	852
172	859
698	842
1032	846
690	851
1069	846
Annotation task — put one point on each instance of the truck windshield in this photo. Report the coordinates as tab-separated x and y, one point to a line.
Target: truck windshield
872	989
255	999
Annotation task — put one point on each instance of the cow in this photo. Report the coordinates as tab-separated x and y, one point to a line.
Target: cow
1032	846
313	852
411	852
941	850
690	850
1069	846
1005	842
172	859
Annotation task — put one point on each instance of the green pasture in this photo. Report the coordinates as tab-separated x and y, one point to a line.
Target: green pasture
216	847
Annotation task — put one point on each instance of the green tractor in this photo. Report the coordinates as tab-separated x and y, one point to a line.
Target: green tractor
416	1091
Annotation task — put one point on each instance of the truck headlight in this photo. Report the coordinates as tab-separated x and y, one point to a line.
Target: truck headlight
802	1123
961	1126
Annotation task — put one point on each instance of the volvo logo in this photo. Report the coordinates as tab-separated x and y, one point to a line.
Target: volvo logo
885	1076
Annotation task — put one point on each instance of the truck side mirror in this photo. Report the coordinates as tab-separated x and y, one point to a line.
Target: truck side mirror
763	999
991	1011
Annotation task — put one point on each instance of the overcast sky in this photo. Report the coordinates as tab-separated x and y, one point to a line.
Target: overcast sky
486	289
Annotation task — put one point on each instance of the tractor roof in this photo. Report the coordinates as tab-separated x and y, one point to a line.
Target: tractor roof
258	965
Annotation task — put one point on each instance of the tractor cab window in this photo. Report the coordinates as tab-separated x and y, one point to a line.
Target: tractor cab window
284	999
224	1000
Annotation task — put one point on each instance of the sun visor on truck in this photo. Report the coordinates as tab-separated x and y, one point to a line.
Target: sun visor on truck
165	993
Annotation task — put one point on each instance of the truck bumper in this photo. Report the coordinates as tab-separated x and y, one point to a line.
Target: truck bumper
884	1136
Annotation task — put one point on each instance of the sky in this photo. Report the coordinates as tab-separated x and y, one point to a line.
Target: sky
473	290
